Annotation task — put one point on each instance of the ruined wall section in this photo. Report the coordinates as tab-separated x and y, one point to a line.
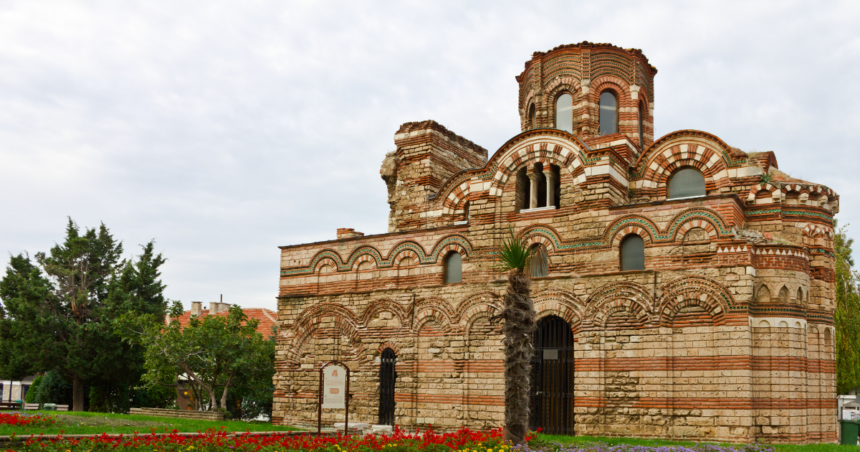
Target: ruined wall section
427	155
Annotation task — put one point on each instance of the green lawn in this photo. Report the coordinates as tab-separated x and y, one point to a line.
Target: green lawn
656	443
97	423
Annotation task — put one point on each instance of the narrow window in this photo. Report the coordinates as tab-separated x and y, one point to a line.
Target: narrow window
686	183
539	262
466	211
641	134
564	113
632	253
541	190
532	117
523	186
453	268
608	113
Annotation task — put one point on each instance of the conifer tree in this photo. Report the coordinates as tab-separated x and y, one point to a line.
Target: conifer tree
59	310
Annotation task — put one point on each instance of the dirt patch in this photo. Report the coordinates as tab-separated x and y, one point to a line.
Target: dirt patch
90	421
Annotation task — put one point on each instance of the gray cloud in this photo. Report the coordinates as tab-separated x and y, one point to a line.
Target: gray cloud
225	129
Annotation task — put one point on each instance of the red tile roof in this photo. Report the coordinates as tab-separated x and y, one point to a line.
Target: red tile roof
266	317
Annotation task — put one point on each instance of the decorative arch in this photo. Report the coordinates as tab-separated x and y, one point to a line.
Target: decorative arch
308	321
564	151
561	303
388	344
708	293
433	309
554	87
545	235
374	308
456	199
685	148
602	317
630	224
475	306
697	217
756	191
815	230
617	294
325	260
603	83
450	243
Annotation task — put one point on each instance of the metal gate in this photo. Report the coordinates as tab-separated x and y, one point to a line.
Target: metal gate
387	378
552	377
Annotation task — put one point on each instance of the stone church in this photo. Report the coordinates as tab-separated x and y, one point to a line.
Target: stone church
685	288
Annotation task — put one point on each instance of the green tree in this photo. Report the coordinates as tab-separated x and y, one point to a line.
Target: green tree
59	310
215	354
847	316
520	321
33	390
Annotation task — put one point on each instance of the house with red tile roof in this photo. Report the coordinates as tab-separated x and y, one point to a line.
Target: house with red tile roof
266	327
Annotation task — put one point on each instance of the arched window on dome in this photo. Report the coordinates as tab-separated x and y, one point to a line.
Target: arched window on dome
641	130
532	117
632	253
686	183
564	113
453	268
608	113
538	262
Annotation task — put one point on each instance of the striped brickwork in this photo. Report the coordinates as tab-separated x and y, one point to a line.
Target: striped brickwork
727	334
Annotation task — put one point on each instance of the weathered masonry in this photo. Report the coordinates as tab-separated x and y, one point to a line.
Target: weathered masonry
685	288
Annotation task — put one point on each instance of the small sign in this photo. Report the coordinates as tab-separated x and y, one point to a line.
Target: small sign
550	354
334	387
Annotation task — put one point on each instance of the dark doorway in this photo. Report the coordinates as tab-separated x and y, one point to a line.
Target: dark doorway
552	377
387	378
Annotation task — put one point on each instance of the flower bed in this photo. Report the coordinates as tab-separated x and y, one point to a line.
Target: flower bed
463	440
401	441
20	419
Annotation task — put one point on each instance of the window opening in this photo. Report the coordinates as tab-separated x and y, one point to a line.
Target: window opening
552	377
387	383
539	262
641	134
532	117
453	268
564	113
632	253
541	192
608	113
522	197
466	211
686	183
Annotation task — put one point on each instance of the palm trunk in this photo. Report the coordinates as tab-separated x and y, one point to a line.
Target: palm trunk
77	394
520	319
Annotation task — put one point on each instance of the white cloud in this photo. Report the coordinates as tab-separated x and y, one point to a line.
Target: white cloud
225	129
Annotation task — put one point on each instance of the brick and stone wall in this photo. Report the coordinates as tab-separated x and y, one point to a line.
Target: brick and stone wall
182	414
726	335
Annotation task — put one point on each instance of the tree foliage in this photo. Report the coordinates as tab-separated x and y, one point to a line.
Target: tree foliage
210	356
59	309
847	316
520	321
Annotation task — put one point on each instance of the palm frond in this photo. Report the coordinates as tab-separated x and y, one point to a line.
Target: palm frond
514	253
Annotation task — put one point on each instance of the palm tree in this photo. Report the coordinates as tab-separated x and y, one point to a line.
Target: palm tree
519	316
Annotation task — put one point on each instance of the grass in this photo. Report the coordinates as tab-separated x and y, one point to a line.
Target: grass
74	423
821	447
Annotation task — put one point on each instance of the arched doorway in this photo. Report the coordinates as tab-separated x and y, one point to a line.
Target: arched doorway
552	377
387	378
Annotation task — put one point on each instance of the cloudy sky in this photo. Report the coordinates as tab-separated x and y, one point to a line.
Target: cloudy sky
225	129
